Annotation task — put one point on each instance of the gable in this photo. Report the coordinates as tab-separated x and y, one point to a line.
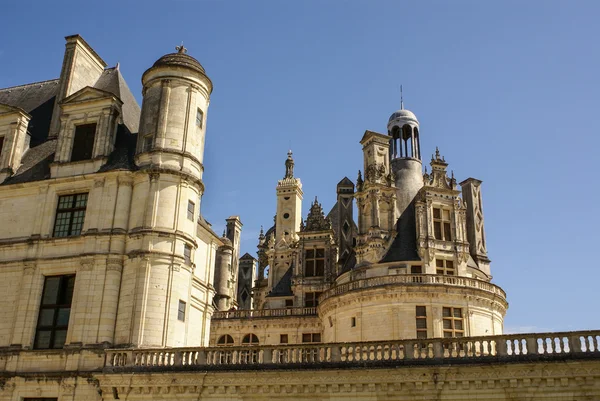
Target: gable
88	94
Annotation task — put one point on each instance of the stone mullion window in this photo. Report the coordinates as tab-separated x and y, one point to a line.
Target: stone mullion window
55	311
452	322
314	262
70	215
446	267
311	299
442	227
421	321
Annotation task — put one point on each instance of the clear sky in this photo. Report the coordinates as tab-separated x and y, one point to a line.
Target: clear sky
509	91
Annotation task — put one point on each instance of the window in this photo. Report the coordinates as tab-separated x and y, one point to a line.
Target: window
55	310
352	322
225	340
311	337
283	338
249	356
443	266
421	313
199	118
1	144
441	224
311	299
147	144
187	254
416	270
190	210
289	303
452	322
181	311
83	142
70	214
250	339
314	262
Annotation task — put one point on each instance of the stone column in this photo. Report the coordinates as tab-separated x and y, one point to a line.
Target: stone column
110	300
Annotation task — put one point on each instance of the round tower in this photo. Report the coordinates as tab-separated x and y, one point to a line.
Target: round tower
405	156
164	218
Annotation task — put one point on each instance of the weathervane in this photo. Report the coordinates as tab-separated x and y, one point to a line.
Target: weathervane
181	49
401	99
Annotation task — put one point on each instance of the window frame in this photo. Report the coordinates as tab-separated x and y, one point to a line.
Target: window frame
447	267
191	213
72	211
199	121
283	337
313	337
314	264
187	254
442	224
420	317
62	290
181	312
452	319
76	146
312	298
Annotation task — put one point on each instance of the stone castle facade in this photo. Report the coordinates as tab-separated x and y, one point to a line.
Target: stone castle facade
116	287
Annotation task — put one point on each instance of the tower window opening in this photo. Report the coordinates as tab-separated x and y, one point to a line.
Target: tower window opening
452	322
181	311
352	322
421	316
187	254
314	260
445	267
1	145
191	210
286	215
311	299
442	228
147	144
199	118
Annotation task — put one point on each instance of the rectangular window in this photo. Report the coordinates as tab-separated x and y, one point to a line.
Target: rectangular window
311	299
147	144
70	214
311	337
352	322
181	311
187	254
314	260
289	303
283	338
441	224
453	322
199	118
55	310
1	145
190	210
421	313
443	266
83	142
416	270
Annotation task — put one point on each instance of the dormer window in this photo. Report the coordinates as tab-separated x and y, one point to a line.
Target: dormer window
441	224
199	118
83	142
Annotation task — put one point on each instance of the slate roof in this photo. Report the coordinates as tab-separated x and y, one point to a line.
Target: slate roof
247	256
284	286
112	81
38	100
404	246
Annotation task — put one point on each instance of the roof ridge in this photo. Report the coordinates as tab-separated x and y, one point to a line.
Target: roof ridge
30	84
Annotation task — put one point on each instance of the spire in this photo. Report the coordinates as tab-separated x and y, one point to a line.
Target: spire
289	165
401	99
316	220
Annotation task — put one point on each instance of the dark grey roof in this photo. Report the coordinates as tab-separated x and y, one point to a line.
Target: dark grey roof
180	60
112	81
35	164
247	256
333	215
37	99
404	246
345	182
349	263
284	286
122	157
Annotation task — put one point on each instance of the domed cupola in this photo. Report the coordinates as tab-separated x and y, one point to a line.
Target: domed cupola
403	127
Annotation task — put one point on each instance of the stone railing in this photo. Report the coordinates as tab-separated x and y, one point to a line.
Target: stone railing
414	279
505	348
254	313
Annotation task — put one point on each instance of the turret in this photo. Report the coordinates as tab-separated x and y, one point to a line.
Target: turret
405	157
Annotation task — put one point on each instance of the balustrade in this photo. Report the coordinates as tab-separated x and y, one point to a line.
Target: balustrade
508	347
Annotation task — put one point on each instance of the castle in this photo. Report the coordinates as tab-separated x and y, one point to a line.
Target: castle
116	287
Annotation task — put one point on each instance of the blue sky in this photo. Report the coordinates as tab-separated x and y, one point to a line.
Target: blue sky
507	90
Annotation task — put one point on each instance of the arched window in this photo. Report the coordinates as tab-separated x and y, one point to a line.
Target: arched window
225	340
250	339
249	356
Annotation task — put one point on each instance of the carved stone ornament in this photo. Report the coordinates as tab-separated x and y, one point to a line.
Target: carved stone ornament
316	220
